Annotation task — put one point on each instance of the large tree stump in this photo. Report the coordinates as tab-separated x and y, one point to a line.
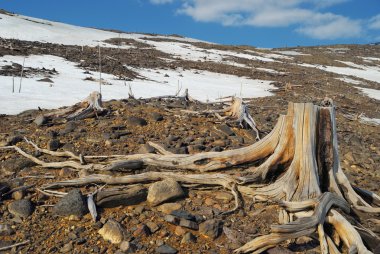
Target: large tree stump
300	169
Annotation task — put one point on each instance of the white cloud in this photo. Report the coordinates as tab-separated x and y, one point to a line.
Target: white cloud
374	23
161	1
336	27
305	15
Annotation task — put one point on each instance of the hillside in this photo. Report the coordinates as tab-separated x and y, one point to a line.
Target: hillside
60	67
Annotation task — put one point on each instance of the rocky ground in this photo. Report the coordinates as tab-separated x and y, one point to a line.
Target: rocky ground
187	219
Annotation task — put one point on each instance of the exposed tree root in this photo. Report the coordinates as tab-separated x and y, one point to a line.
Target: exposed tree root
300	170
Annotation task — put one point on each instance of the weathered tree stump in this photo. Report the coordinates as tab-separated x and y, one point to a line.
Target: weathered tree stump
89	107
300	169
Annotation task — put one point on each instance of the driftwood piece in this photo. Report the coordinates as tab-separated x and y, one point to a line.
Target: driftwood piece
121	196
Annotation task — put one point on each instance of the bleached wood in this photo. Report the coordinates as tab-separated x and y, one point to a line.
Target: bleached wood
346	231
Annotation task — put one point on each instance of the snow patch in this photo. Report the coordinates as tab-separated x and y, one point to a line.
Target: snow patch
70	86
292	53
350	81
370	73
372	93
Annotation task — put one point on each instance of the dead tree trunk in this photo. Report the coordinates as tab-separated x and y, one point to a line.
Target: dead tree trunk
300	170
89	107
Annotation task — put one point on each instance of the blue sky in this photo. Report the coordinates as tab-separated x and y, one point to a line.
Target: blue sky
262	23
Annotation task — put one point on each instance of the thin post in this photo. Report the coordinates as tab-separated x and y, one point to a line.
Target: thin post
100	72
22	72
13	84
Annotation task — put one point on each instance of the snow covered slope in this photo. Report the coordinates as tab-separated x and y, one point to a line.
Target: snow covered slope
71	84
33	29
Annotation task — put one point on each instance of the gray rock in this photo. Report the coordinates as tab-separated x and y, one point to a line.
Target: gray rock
112	231
53	145
216	149
166	249
195	148
136	121
167	208
172	219
183	214
40	120
210	228
180	150
6	230
157	117
188	224
279	250
142	230
189	238
13	140
162	191
146	148
21	208
67	248
153	227
14	165
74	203
226	130
127	247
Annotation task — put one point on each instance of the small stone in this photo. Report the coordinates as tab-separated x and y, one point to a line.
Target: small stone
166	249
279	250
209	202
40	120
172	219
210	228
146	148
153	227
68	147
193	149
67	248
157	117
136	121
188	238
349	156
127	247
224	196
219	142
18	195
13	140
226	130
180	231
65	172
53	145
142	230
162	191
81	241
216	149
74	203
139	209
21	208
188	224
167	208
183	214
6	230
112	231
